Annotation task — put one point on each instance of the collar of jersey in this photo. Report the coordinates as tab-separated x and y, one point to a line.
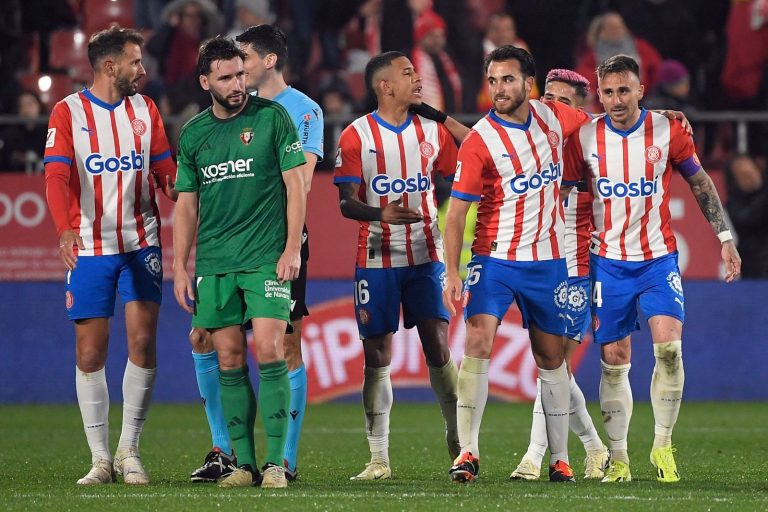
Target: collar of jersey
103	104
626	133
219	120
391	127
281	94
492	114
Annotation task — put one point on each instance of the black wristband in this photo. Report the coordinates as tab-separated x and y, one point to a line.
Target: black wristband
429	112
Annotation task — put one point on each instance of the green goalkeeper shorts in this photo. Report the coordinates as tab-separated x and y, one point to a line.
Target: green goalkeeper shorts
231	299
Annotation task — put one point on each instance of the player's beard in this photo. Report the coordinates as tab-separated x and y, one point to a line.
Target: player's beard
126	87
515	100
230	104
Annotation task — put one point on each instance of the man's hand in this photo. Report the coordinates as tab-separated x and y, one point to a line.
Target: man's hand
393	213
732	261
67	242
676	114
452	292
428	111
182	289
288	265
170	192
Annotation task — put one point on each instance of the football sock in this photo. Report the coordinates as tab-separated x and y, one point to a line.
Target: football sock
616	406
238	403
298	382
538	443
444	383
274	398
137	393
93	399
207	374
666	389
555	400
472	395
580	421
377	402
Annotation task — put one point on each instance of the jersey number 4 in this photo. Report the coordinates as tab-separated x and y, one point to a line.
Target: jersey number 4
597	294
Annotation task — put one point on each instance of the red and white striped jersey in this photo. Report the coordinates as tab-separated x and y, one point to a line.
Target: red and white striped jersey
629	173
577	208
391	162
514	171
98	160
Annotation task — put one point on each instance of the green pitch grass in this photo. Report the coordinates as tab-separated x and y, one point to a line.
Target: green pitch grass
722	454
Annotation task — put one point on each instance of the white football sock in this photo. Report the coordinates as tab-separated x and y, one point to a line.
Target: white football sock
537	446
444	383
555	399
377	402
580	421
616	407
137	393
472	396
666	389
93	399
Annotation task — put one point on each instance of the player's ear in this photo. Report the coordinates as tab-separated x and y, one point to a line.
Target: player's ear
204	83
270	60
641	91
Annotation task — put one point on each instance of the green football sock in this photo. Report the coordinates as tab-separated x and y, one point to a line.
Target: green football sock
274	397
239	405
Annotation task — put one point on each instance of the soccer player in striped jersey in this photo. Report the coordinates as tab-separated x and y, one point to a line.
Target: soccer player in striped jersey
511	163
571	88
629	155
105	153
384	170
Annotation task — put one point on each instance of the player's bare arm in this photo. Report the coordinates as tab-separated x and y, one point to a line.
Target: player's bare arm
184	229
458	130
453	235
290	261
709	202
392	213
308	170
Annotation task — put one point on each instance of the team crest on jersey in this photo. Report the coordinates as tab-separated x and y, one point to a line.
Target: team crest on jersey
153	264
364	316
246	136
577	298
553	138
652	154
674	281
427	150
139	127
69	300
561	295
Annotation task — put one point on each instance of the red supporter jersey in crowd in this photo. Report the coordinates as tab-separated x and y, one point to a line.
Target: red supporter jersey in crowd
98	161
514	171
577	209
629	173
390	162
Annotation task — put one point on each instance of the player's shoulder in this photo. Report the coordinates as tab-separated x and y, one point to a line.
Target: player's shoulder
199	120
301	102
257	103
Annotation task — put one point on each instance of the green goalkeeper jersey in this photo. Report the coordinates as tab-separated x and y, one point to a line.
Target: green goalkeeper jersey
235	166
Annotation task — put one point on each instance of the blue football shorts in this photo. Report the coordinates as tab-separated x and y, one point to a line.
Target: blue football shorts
91	286
539	287
577	315
379	292
618	286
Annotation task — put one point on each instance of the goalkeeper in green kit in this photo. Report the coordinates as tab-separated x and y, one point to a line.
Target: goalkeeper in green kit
241	192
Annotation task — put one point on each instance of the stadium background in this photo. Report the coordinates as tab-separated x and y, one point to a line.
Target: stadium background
715	40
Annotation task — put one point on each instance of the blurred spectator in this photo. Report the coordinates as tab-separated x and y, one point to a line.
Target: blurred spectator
336	101
147	13
22	145
440	80
186	23
501	31
607	36
673	88
748	209
746	59
249	13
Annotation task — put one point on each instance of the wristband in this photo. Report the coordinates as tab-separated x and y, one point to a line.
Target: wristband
725	236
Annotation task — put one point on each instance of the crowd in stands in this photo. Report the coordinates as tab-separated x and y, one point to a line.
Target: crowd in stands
694	55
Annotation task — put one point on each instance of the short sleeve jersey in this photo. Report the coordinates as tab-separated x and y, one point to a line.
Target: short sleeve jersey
577	209
106	154
307	116
235	166
391	162
514	172
630	172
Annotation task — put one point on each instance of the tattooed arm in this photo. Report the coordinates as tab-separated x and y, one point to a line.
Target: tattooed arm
709	202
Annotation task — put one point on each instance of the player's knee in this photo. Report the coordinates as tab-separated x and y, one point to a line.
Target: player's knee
200	340
292	346
90	358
